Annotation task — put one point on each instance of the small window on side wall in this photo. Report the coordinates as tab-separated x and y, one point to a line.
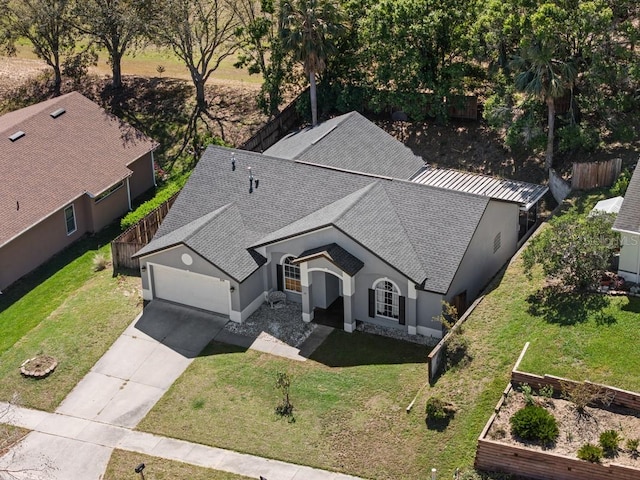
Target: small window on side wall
497	241
70	219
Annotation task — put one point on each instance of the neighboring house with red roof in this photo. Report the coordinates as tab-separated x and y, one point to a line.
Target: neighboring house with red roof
68	168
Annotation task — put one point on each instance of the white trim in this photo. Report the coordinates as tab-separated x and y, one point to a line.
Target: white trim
305	278
412	330
624	231
348	285
349	327
429	332
323	270
252	307
375	290
307	317
284	273
75	221
411	290
146	294
168	249
300	235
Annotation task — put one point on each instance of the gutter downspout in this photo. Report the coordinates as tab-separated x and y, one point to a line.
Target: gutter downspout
129	194
153	170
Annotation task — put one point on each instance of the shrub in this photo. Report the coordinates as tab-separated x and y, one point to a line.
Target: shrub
527	393
632	445
546	391
584	394
285	407
535	423
438	409
100	262
620	187
456	351
590	453
609	441
575	137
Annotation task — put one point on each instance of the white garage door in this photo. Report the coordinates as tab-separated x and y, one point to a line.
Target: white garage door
193	289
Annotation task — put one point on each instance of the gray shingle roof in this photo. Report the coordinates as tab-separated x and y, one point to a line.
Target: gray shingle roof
421	231
628	218
350	142
336	254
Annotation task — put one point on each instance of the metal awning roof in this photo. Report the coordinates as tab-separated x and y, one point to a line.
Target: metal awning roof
523	193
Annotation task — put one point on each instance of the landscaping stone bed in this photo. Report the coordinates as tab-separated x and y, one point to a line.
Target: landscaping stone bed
282	324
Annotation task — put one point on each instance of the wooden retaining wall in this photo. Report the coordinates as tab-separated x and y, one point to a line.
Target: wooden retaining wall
494	456
586	176
137	236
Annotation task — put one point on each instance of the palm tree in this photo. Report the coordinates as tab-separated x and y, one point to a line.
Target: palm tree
310	28
542	75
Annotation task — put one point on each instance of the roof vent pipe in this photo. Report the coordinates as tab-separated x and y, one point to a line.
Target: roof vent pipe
233	161
250	180
17	135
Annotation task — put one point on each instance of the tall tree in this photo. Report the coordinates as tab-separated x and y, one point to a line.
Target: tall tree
542	75
310	30
416	47
115	25
202	33
262	50
46	24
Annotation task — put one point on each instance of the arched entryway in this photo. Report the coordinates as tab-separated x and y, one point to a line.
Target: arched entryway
327	273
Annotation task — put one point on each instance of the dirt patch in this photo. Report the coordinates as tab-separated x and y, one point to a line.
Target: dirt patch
16	71
575	429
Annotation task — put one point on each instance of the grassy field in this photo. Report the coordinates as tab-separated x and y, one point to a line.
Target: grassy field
145	62
350	398
122	464
71	313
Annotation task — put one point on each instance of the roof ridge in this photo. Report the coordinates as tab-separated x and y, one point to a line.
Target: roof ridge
359	195
211	215
324	135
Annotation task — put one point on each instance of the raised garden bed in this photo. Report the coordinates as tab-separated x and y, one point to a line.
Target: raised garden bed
500	450
38	367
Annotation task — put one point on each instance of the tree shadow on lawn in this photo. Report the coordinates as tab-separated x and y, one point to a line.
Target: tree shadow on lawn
342	349
558	306
632	306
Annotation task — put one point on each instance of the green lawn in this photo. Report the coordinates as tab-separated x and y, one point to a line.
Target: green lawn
67	310
350	398
121	466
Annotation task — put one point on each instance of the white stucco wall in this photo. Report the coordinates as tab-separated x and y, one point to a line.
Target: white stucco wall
629	266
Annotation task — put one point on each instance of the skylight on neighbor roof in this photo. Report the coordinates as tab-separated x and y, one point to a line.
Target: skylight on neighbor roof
17	135
57	113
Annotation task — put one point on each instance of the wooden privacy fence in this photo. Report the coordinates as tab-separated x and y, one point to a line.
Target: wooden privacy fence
277	128
585	176
137	236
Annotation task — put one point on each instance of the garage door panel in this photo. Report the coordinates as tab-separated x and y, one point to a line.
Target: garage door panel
193	289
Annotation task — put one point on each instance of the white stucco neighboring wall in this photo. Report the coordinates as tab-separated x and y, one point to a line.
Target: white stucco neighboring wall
629	266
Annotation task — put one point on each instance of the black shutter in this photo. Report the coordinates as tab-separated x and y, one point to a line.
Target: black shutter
372	303
401	304
279	279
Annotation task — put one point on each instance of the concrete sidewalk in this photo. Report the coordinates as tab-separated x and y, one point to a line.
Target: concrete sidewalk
99	414
75	447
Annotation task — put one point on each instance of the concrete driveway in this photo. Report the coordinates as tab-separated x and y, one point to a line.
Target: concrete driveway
142	364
